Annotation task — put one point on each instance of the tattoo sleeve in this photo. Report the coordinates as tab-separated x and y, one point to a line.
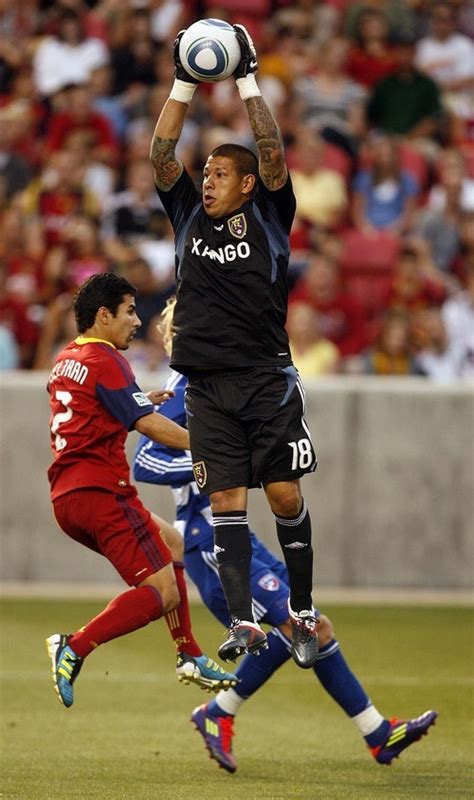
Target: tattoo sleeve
272	164
167	167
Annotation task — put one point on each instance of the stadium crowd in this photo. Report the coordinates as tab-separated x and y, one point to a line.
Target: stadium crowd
375	101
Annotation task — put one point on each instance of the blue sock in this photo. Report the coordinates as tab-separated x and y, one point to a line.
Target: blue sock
334	674
254	671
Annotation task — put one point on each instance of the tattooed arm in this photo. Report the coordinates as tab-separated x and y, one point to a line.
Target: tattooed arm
166	167
272	164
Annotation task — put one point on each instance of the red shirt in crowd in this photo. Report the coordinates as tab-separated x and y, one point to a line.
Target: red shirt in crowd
340	319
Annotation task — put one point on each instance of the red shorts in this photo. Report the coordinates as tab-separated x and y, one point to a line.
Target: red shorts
118	527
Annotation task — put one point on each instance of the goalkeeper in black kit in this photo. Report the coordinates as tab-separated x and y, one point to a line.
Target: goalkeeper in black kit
244	400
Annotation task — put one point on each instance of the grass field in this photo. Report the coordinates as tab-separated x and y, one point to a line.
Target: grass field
128	736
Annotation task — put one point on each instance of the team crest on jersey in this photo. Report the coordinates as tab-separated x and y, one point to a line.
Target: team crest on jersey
238	226
269	582
200	473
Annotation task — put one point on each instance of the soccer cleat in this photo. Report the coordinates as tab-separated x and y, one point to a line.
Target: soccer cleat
65	666
304	638
205	672
401	735
217	733
242	637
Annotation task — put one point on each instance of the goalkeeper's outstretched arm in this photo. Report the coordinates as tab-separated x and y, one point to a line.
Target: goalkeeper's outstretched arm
166	167
272	165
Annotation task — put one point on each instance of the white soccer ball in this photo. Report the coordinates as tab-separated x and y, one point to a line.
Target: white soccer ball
209	50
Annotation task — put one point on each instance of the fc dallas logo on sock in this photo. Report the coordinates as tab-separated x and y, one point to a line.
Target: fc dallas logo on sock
200	473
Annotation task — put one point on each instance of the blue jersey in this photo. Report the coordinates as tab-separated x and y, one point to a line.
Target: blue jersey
155	463
165	466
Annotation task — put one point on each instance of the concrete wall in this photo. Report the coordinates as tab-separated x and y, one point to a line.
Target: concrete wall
392	500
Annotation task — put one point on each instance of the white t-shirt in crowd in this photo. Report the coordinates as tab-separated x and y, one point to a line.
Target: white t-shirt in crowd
55	63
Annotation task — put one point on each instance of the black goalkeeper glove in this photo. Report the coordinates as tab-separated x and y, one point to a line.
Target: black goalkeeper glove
248	60
180	72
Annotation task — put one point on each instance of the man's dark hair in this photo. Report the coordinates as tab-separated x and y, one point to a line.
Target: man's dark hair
103	290
246	162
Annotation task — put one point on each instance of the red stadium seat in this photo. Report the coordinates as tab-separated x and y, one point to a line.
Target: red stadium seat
367	267
336	159
368	253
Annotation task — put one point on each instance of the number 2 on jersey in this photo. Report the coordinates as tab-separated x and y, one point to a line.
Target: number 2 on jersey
65	399
302	454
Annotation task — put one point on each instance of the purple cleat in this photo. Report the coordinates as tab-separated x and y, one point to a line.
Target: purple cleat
401	735
217	733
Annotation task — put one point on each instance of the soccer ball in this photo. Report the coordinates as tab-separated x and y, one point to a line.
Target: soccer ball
209	50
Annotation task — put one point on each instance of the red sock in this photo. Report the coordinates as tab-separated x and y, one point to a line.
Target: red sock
179	620
127	612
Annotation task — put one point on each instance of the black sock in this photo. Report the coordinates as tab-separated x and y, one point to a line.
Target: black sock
294	535
234	552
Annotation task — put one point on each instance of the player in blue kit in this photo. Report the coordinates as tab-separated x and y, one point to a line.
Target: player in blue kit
160	465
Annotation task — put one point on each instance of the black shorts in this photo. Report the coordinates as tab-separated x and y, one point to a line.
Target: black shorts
247	428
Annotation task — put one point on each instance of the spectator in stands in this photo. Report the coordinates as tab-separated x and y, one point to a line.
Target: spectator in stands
133	58
68	56
407	102
15	172
451	169
16	317
113	108
458	318
312	354
99	179
57	195
58	328
340	316
384	194
80	118
136	212
371	58
391	353
309	23
463	263
151	298
399	13
135	220
330	101
440	222
21	255
416	283
26	114
447	56
9	358
441	358
77	255
321	194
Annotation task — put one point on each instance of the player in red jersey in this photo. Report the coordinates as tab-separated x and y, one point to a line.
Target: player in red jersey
95	401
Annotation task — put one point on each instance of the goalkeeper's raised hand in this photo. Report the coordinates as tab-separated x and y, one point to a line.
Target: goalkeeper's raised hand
184	84
244	73
248	64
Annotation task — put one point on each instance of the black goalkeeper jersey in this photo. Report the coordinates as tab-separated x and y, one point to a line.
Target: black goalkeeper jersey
231	280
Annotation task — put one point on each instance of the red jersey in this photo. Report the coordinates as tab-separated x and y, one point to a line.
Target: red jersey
94	401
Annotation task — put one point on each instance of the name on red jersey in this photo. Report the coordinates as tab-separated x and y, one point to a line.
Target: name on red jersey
69	368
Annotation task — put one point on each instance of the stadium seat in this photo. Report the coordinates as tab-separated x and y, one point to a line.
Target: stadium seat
367	267
368	253
336	159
